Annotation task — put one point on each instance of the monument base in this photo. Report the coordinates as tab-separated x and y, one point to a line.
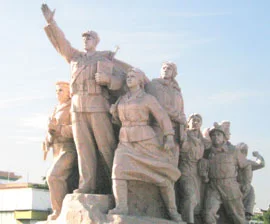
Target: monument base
93	208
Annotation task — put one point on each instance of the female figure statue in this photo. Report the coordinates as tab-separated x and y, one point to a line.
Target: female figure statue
139	155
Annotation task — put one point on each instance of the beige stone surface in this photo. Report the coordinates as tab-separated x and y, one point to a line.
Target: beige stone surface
223	188
168	93
259	163
92	209
123	219
144	199
189	185
139	155
93	76
60	139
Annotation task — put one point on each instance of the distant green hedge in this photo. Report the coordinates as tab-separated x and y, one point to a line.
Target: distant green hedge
266	217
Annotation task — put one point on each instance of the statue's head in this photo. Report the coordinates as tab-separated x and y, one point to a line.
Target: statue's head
168	70
62	91
227	128
217	135
136	77
205	133
90	40
194	121
243	148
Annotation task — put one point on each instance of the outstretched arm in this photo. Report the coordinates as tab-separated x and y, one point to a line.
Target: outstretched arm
259	163
56	35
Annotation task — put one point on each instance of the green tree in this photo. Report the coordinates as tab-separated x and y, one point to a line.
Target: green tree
266	217
258	217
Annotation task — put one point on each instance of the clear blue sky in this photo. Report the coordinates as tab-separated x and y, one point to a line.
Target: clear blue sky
221	48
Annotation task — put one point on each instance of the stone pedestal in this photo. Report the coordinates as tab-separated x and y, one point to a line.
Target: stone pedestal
93	208
85	208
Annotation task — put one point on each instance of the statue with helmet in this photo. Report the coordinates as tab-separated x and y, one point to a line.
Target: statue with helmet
154	148
223	188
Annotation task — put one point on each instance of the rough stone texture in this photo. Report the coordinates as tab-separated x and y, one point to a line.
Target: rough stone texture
62	177
93	76
122	219
85	208
144	199
223	218
93	209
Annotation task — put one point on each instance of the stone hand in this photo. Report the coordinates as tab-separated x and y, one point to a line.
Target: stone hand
52	126
169	143
245	189
102	78
47	13
113	110
255	154
205	179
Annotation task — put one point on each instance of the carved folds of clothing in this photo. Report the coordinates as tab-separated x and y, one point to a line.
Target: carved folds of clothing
223	187
189	188
139	155
65	157
170	98
92	130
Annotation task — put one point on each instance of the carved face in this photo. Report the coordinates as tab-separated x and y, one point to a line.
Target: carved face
62	93
166	72
132	80
244	151
217	138
228	133
89	43
195	123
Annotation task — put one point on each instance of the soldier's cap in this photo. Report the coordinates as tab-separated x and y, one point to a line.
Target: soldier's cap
92	34
242	146
172	65
226	125
217	127
194	115
62	83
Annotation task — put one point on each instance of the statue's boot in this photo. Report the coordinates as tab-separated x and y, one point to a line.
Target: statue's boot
54	215
168	196
83	191
120	192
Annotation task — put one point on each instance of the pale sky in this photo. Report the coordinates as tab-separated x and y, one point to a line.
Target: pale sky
221	48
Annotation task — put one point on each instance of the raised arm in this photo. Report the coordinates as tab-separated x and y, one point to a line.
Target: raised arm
259	163
246	170
56	35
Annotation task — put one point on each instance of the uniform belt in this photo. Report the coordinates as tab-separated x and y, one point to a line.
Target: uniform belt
61	140
223	178
134	123
64	144
90	87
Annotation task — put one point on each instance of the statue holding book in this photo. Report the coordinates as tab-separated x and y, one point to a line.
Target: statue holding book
93	76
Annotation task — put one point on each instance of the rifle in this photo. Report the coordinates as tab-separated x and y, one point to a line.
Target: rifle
47	143
45	148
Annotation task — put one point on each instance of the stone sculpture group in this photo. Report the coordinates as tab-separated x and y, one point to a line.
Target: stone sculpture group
113	126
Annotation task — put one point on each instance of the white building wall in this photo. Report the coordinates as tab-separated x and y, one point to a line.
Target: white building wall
24	199
7	218
41	199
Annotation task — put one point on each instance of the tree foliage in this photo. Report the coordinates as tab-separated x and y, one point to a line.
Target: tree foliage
266	217
258	217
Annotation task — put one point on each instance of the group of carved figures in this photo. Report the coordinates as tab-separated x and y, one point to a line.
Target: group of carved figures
155	142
